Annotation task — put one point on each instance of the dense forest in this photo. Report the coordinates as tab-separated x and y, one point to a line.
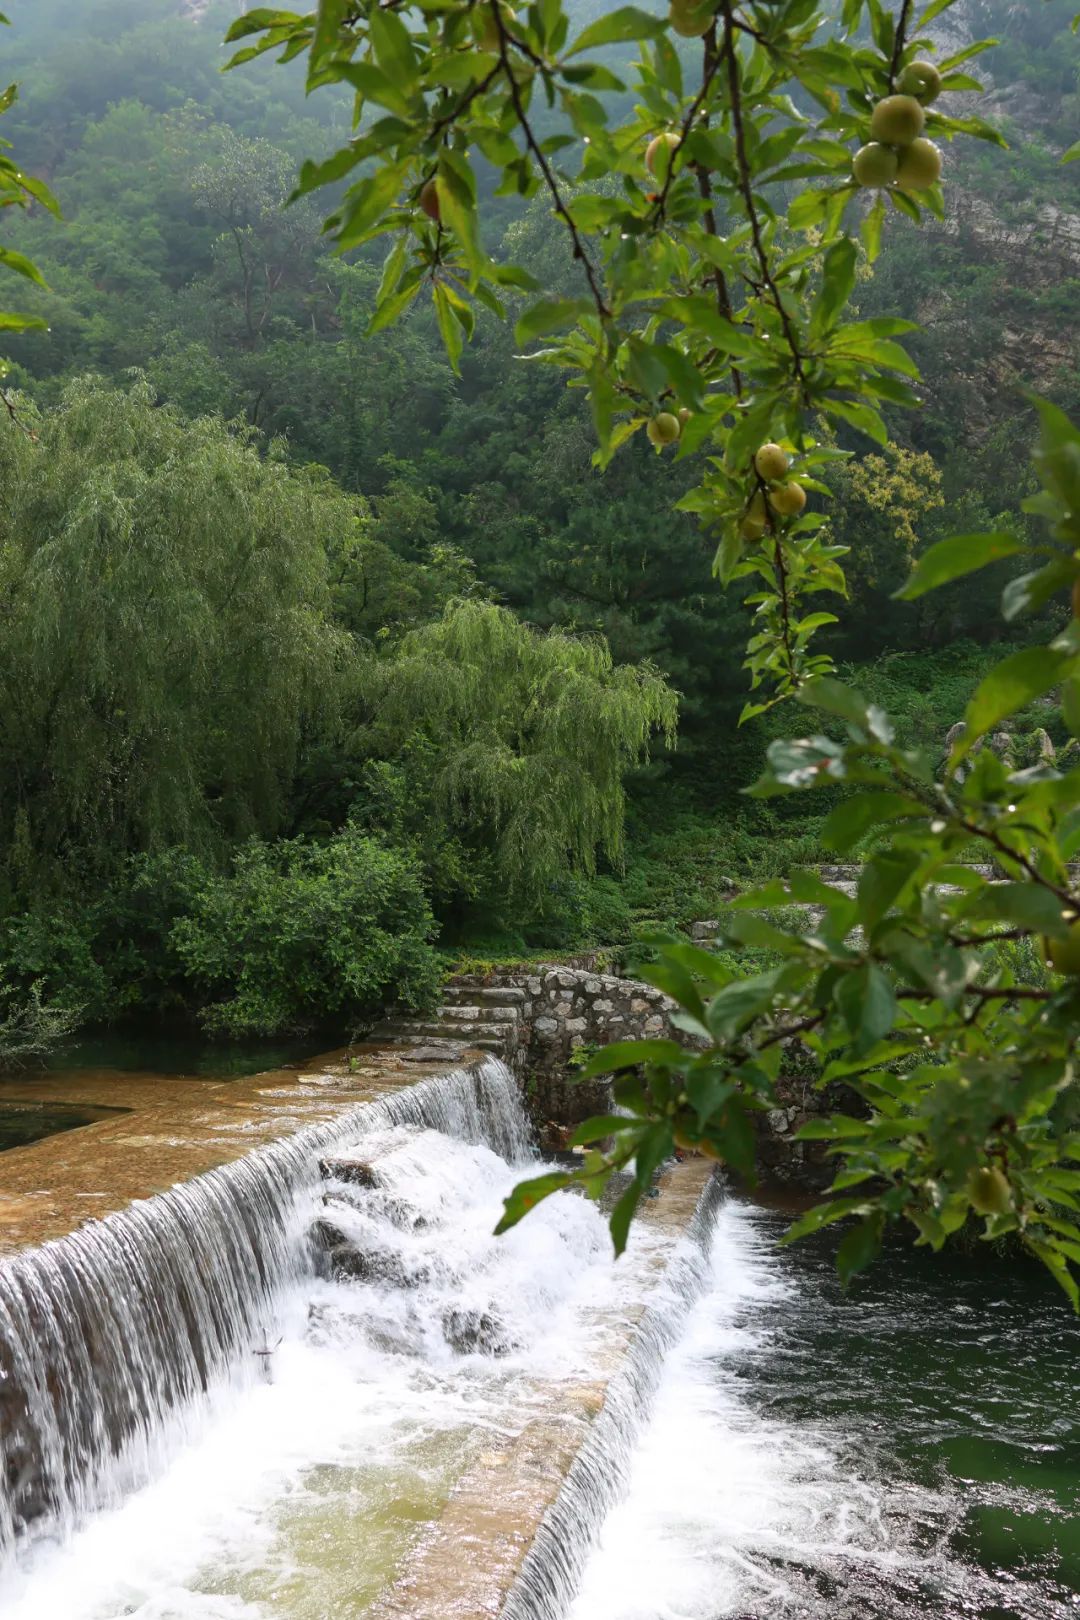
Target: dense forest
320	658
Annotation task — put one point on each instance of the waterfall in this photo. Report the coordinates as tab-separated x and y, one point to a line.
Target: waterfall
108	1333
553	1566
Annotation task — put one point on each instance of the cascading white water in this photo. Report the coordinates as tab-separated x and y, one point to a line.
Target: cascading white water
553	1566
795	1463
291	1485
105	1332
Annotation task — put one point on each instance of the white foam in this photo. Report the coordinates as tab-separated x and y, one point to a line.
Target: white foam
285	1499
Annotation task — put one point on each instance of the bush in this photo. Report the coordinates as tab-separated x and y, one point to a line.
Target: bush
299	932
50	957
32	1028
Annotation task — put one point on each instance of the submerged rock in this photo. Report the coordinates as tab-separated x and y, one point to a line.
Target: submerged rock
475	1332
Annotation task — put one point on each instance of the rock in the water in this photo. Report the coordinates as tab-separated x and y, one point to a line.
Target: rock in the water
473	1332
359	1172
340	1258
433	1054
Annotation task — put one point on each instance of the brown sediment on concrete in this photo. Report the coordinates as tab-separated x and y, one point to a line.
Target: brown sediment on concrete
173	1129
468	1563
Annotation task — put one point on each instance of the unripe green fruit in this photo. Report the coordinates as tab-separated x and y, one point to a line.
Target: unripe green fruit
787	499
919	165
921	80
771	461
658	153
689	19
875	165
684	415
755	519
1063	955
989	1191
429	199
897	120
663	429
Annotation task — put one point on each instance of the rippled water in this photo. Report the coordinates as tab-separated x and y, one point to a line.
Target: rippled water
910	1450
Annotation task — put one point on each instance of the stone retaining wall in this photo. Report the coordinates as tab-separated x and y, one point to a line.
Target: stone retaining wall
565	1011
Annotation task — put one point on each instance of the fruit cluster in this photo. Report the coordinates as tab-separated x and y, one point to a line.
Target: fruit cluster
664	428
784	496
898	154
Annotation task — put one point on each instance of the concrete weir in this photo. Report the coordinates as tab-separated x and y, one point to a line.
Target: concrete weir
515	1534
144	1258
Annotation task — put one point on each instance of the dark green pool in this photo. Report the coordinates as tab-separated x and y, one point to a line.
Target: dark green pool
23	1123
909	1450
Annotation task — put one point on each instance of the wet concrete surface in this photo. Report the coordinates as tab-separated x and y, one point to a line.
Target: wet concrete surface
172	1129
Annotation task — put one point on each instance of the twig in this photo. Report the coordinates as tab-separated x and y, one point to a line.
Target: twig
898	42
9	405
723	297
746	187
545	169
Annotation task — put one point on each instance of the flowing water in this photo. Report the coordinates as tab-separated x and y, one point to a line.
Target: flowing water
909	1450
228	1421
252	1398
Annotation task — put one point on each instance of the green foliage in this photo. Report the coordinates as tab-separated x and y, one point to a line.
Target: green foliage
17	189
743	328
32	1028
297	933
516	741
923	992
162	580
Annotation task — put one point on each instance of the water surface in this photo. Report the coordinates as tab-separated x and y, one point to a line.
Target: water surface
909	1450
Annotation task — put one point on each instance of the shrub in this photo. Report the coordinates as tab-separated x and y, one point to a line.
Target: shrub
298	932
31	1027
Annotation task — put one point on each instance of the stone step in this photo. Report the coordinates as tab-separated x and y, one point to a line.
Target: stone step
495	996
482	1043
492	1012
433	1030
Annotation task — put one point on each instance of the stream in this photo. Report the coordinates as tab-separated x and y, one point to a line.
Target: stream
909	1450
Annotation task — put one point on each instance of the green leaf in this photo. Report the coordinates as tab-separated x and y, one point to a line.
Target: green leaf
21	265
393	45
527	1194
880	883
549	315
867	1003
859	1247
253	22
617	27
1008	687
629	1054
622	1215
449	327
833	1209
855	817
1030	592
870	230
1028	905
603	1125
366	203
10	321
837	285
953	558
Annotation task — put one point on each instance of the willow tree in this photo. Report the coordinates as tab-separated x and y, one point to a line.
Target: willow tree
166	632
514	742
715	224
